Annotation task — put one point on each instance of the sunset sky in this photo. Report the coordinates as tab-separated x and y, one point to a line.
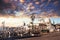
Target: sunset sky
29	6
44	7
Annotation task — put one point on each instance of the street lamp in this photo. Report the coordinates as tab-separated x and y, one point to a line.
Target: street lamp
3	24
32	18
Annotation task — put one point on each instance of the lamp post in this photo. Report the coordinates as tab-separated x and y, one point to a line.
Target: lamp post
3	24
32	18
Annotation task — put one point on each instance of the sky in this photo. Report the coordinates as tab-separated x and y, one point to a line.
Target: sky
55	20
29	6
49	7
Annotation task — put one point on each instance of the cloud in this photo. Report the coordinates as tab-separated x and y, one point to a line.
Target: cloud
56	2
4	4
22	1
6	1
28	6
